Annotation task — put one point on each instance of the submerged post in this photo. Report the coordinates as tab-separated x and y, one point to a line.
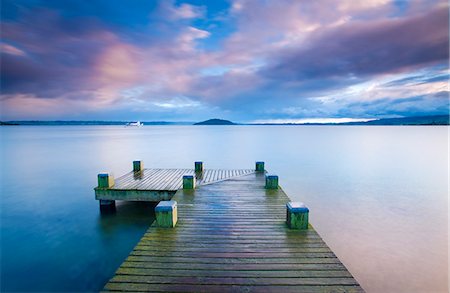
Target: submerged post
188	182
138	166
297	215
107	206
259	167
271	182
198	167
166	214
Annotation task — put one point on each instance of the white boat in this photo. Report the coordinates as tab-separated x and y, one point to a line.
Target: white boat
136	124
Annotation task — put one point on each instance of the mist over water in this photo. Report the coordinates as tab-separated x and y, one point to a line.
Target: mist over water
377	196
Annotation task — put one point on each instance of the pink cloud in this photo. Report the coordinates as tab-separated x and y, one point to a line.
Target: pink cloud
9	49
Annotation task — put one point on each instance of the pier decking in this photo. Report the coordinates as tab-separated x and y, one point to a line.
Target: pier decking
160	184
232	236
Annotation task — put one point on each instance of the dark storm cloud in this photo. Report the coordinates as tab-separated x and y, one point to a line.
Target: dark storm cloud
365	49
58	54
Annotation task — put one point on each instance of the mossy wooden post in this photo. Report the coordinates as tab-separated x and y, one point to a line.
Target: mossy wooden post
138	166
297	215
271	182
198	167
166	214
259	167
188	182
106	181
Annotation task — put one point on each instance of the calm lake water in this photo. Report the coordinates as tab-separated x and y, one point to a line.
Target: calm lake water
377	195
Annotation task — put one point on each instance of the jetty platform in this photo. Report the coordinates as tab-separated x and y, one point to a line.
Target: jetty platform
228	235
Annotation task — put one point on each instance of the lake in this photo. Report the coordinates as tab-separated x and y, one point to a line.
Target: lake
377	195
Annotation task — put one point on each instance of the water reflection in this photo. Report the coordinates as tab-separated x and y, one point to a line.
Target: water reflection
125	214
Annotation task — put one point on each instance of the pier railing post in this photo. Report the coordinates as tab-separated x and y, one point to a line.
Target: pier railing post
271	182
297	215
138	166
188	182
166	214
198	167
259	167
105	180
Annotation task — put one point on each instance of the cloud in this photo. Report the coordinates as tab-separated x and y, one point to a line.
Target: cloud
364	49
177	103
186	11
248	60
435	103
9	49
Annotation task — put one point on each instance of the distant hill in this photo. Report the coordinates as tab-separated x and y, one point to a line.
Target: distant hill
7	123
419	120
215	122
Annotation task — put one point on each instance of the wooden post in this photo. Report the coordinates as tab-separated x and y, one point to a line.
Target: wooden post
198	167
105	180
188	182
271	182
107	206
297	215
138	166
259	167
166	214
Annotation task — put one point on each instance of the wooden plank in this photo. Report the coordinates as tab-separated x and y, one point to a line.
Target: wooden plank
177	181
280	247
132	259
134	195
140	287
231	274
233	280
232	254
239	267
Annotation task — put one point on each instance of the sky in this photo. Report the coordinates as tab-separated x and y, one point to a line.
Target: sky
246	61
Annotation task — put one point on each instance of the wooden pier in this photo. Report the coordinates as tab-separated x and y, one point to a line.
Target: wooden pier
231	236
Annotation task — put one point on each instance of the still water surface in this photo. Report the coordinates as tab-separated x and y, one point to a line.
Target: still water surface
377	195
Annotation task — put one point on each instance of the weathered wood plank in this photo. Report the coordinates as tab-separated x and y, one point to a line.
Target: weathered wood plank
241	260
233	274
140	287
145	245
233	280
241	267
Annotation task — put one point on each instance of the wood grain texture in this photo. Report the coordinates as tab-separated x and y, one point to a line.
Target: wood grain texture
231	236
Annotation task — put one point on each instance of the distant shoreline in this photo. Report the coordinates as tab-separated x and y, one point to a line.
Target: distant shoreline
418	120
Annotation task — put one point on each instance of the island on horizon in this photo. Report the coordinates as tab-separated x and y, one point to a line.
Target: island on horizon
215	121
